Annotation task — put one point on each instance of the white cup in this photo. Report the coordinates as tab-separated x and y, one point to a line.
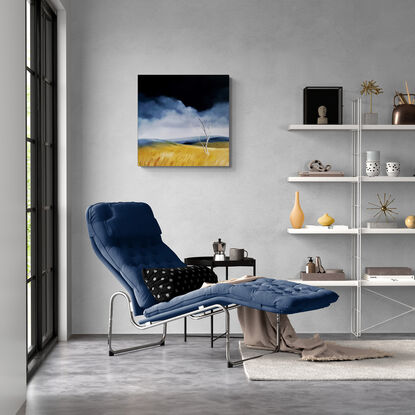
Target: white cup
393	168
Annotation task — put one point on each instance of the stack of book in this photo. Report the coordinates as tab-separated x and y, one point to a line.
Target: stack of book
388	274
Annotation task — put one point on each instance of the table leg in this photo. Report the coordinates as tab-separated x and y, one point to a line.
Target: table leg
185	329
254	267
211	325
226	273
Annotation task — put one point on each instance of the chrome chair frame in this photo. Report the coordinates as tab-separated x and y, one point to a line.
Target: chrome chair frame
202	312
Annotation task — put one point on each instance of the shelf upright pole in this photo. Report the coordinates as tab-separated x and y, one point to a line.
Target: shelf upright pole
359	220
353	258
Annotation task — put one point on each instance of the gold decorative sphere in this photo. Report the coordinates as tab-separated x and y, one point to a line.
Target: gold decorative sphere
410	222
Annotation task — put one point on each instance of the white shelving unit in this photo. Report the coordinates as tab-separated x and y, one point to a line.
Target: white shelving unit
387	179
323	230
388	127
350	127
351	179
344	283
410	283
345	179
356	283
388	231
327	127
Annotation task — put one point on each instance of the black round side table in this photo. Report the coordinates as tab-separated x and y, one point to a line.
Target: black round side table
208	261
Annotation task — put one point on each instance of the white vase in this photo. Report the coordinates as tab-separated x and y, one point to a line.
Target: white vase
372	168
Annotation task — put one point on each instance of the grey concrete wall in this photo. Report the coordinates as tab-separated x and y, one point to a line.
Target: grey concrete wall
271	50
12	208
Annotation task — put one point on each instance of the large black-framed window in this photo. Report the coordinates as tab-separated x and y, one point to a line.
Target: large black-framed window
41	176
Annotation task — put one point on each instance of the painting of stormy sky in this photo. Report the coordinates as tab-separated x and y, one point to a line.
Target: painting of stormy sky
189	111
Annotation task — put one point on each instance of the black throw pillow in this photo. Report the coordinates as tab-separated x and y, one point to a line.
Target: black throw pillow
167	283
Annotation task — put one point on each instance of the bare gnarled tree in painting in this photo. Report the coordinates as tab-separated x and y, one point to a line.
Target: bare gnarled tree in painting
206	134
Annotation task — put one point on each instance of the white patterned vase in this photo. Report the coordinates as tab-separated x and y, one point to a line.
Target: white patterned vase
372	168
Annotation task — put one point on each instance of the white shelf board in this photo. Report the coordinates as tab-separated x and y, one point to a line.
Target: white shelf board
337	283
321	231
350	127
387	179
385	231
408	283
388	127
351	179
324	127
345	179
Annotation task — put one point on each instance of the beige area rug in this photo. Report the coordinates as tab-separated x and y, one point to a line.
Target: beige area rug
289	366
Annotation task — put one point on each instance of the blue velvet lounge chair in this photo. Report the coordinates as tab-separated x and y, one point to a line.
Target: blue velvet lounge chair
127	238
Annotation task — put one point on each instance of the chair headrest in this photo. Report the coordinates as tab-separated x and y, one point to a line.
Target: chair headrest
125	220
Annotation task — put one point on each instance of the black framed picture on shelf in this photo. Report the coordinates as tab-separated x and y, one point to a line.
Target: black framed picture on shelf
323	105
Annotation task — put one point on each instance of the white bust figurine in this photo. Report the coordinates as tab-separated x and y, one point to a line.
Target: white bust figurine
322	112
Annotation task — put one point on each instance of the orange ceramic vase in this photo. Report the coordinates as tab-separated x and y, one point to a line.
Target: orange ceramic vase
297	214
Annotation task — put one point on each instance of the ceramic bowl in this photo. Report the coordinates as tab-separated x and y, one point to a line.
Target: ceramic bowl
372	168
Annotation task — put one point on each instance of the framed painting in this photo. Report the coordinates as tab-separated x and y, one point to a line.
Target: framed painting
183	120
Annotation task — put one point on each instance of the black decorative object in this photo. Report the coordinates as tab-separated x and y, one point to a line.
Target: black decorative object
167	283
330	97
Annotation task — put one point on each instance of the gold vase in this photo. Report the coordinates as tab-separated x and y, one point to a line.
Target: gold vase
297	214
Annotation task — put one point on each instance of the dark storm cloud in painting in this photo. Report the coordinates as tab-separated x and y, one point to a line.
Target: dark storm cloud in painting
200	92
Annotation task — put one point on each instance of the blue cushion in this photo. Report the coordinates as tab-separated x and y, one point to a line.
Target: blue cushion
127	238
276	296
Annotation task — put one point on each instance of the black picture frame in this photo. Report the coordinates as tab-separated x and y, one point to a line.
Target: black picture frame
329	96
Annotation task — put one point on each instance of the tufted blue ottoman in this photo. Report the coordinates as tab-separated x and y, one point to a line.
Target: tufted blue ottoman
268	294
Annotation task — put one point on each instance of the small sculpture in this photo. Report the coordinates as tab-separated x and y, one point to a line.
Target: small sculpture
383	208
317	165
319	266
325	220
322	112
370	88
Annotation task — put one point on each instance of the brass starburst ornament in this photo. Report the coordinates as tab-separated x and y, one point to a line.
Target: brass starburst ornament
384	208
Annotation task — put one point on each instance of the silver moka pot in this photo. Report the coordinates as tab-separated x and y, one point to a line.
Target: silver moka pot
219	250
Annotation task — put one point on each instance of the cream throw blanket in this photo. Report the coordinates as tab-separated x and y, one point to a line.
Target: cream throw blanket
259	328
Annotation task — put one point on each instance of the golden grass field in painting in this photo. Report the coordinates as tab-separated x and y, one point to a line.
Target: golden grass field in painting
173	154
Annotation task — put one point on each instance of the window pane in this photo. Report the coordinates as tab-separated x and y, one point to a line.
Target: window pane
30	340
28	31
49	305
49	113
28	175
49	49
28	105
28	244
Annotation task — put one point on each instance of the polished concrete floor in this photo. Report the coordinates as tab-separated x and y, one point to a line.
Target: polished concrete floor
190	378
